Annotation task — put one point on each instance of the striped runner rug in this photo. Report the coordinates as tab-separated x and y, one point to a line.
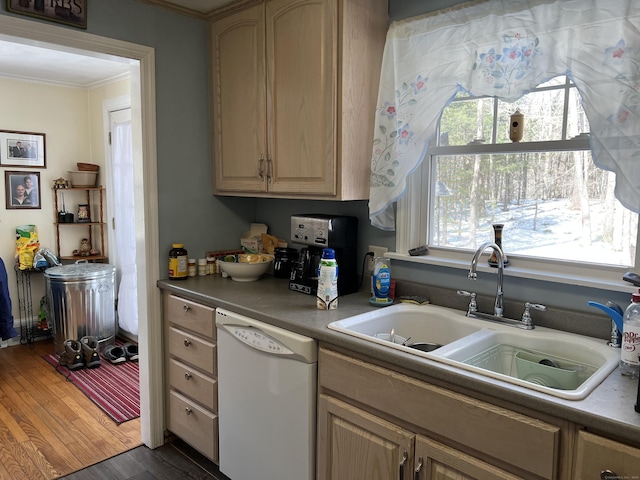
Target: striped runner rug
114	388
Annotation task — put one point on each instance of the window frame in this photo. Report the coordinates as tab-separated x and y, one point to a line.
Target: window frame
413	222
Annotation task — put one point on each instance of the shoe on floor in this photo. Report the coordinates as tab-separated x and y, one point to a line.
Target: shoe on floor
90	352
131	351
72	356
114	354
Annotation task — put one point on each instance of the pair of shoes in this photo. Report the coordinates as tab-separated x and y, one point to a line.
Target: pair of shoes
116	354
79	354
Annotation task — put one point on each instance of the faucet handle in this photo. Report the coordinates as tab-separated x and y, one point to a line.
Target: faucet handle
526	316
473	306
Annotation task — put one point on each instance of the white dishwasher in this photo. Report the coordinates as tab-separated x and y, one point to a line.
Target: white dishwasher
266	400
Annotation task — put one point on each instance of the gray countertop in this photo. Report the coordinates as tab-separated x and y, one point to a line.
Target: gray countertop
609	409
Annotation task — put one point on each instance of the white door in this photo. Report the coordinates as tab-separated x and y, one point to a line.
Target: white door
122	215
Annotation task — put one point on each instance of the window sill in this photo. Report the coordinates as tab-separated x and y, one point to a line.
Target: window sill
600	277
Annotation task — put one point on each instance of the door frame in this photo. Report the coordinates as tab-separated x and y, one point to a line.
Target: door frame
142	78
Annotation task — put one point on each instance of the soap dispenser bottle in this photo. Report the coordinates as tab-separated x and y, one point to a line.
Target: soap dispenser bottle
629	361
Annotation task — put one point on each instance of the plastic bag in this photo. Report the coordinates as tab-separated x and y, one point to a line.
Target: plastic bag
27	244
44	259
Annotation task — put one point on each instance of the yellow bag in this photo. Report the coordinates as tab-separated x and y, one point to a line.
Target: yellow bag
27	244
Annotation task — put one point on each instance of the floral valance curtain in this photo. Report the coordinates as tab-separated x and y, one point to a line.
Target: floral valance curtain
504	48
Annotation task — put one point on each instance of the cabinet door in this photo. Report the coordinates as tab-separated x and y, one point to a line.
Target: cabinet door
239	102
355	445
301	41
435	461
595	454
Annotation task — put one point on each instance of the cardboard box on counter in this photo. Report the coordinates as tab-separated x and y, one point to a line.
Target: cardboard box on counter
251	241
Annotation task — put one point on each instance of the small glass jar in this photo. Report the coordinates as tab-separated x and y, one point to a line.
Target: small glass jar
192	267
211	265
202	266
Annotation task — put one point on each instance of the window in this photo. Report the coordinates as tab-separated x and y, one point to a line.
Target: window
554	203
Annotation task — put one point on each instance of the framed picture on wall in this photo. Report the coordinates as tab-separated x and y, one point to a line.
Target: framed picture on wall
22	149
22	189
69	12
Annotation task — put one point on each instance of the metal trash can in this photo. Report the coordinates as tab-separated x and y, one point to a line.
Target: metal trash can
82	303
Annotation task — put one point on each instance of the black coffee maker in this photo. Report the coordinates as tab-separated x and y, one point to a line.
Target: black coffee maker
318	231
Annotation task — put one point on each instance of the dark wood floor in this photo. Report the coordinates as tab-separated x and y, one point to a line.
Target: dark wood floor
173	461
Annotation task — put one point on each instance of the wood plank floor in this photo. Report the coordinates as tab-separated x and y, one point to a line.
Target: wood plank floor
174	460
48	428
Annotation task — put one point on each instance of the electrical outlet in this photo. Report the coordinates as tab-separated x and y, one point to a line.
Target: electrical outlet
377	252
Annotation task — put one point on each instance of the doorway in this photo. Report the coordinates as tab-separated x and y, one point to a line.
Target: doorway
142	72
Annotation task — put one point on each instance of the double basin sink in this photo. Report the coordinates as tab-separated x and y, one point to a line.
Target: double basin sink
557	363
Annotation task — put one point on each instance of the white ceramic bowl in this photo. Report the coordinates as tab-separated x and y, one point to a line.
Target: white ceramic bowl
248	267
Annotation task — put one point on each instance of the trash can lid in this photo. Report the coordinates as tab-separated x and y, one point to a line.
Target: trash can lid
80	271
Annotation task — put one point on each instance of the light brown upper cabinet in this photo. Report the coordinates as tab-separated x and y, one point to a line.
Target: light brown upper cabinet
295	84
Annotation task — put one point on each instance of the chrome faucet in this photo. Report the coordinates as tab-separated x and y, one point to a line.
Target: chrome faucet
525	322
499	304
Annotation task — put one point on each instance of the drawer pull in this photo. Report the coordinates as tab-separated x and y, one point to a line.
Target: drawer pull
416	473
405	456
188	410
186	308
608	475
187	342
187	376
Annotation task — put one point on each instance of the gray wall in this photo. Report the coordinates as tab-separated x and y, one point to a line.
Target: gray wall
187	210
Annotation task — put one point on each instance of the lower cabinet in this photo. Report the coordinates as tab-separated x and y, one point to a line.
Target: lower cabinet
600	458
357	445
375	423
191	373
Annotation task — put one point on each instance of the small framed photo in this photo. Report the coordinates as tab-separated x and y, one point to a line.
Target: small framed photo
22	149
72	13
22	189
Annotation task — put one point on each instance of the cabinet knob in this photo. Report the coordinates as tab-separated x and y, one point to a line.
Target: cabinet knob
187	342
187	376
186	308
187	410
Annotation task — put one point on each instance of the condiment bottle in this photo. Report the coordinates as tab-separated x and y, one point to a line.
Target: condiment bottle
629	362
178	262
327	296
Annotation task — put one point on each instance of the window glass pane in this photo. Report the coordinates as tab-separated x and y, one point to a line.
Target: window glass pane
469	119
554	205
543	112
465	121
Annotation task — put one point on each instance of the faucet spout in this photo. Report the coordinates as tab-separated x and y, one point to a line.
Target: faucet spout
499	303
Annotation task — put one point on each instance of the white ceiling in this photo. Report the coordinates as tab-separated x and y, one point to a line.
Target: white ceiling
42	64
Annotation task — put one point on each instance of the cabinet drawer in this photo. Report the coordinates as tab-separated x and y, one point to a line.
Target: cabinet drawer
194	424
595	454
191	315
192	350
476	425
193	384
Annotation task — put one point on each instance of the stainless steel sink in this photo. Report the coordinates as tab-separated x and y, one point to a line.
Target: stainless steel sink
557	363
